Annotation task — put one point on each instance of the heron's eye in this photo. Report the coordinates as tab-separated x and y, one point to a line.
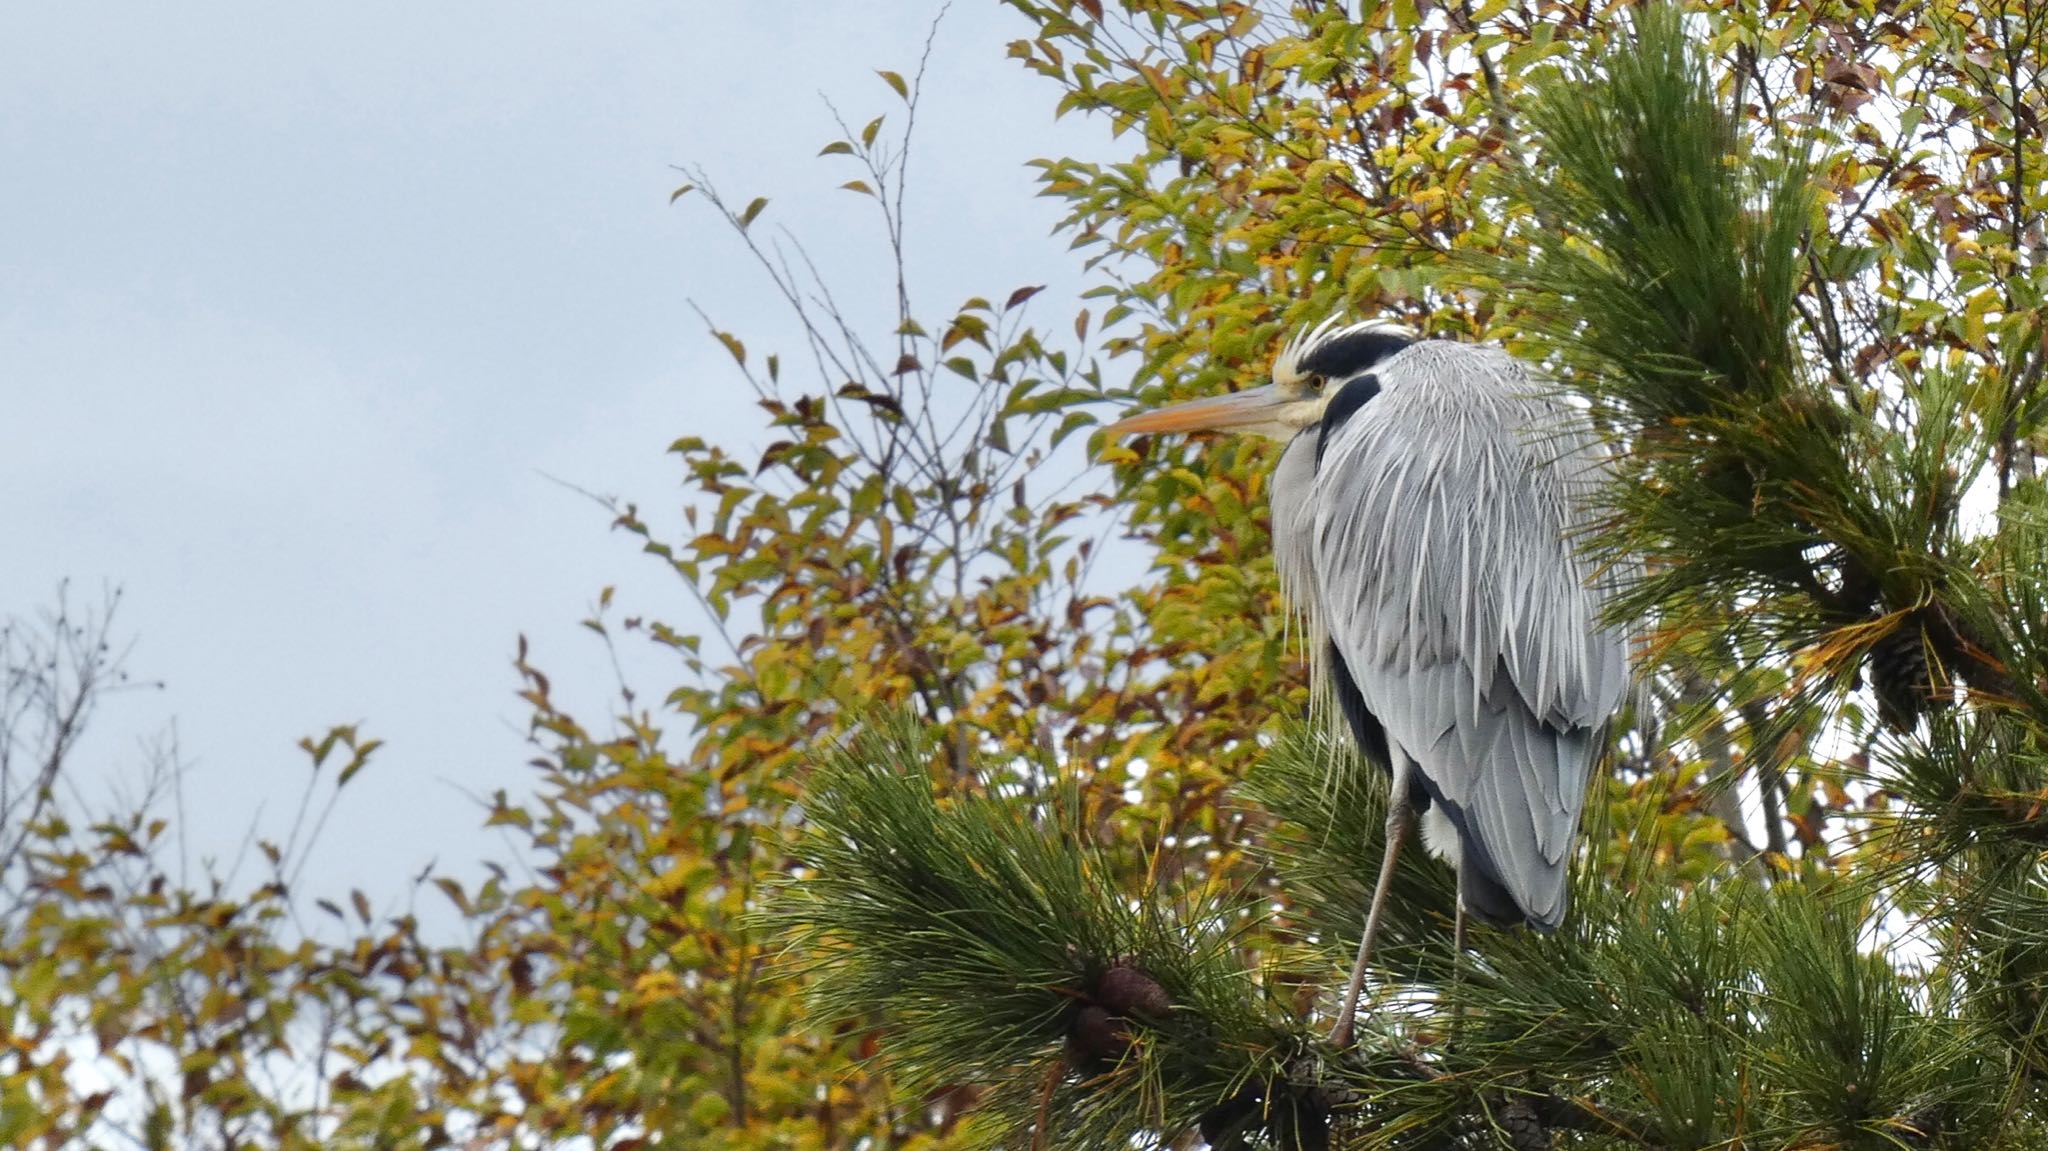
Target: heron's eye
1315	383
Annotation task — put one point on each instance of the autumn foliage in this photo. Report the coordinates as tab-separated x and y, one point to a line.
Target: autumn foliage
1813	896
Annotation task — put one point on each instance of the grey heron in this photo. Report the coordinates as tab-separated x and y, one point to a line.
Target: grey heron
1424	519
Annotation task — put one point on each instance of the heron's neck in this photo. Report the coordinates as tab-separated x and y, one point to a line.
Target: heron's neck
1293	513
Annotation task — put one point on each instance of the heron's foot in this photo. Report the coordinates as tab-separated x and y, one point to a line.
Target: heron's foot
1342	1034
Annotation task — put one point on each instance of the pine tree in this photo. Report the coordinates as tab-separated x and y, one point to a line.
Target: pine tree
1804	521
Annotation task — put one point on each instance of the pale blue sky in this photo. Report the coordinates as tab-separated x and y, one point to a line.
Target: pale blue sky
297	306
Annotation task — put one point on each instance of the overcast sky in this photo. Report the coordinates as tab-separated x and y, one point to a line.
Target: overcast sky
298	309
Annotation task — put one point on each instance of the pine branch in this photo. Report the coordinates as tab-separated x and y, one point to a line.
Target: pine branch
997	949
1672	297
1002	950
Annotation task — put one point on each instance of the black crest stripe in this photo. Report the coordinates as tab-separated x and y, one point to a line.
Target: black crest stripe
1342	356
1343	406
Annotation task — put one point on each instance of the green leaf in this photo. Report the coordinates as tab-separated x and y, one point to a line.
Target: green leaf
895	81
753	210
453	890
1071	423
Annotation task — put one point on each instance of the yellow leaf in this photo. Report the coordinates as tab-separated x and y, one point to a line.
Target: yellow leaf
1116	452
656	985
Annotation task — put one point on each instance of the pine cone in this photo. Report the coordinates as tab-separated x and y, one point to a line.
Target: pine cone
1320	1085
1899	675
1224	1126
1924	1126
1511	1123
1522	1127
1125	990
1096	1039
1299	1125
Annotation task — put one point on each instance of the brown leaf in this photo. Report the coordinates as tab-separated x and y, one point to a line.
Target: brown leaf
1849	84
1022	294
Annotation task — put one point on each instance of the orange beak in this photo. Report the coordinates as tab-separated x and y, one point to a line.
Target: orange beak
1254	408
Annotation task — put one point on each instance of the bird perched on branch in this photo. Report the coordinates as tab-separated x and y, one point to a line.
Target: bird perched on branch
1425	522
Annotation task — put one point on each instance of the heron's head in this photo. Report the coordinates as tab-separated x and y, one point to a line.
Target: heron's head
1313	367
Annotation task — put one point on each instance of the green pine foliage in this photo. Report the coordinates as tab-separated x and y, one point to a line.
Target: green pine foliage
1670	292
998	947
1002	950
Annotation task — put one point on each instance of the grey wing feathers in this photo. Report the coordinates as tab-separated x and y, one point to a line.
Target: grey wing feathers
1448	581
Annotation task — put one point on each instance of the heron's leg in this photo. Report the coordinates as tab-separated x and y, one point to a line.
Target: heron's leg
1458	965
1400	819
